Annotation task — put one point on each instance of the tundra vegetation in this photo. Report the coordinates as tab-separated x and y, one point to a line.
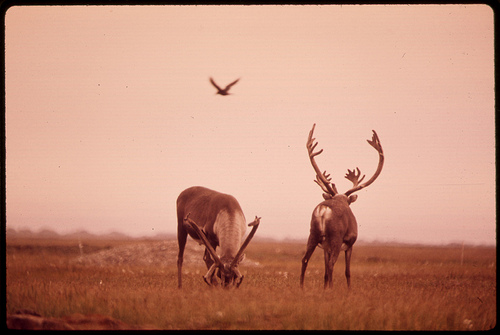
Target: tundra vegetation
394	287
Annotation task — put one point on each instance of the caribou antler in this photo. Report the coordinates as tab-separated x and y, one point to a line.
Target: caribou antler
203	237
322	179
320	182
254	224
351	175
217	262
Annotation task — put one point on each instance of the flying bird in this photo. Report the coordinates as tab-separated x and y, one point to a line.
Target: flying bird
226	89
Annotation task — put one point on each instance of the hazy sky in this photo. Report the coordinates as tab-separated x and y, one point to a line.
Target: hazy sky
110	115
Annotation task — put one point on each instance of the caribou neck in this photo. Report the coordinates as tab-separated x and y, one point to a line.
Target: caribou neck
229	235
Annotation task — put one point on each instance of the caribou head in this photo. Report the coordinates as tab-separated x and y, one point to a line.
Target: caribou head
226	269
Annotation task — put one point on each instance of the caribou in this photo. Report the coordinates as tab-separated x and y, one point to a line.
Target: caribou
213	219
333	225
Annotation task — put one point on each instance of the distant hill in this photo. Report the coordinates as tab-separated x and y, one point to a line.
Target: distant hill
26	233
49	234
82	234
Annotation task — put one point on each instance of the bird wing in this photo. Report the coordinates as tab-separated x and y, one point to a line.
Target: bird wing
213	83
229	86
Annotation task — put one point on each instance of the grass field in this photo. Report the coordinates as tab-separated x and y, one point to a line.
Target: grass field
393	288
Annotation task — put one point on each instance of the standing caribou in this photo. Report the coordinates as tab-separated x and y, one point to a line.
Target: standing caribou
333	224
214	219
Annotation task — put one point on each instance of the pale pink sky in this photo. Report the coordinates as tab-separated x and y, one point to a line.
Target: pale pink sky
110	115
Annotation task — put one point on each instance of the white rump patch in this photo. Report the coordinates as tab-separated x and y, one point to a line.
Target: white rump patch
322	213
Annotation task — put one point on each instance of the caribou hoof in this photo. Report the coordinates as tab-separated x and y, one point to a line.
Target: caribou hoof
206	281
239	283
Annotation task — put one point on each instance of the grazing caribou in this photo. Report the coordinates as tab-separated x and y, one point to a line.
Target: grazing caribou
333	224
213	219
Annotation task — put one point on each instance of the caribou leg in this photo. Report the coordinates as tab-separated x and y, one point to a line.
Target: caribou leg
311	245
328	268
208	260
209	263
348	253
210	275
239	277
181	239
331	255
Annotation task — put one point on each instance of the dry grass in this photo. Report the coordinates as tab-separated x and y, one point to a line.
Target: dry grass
393	288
